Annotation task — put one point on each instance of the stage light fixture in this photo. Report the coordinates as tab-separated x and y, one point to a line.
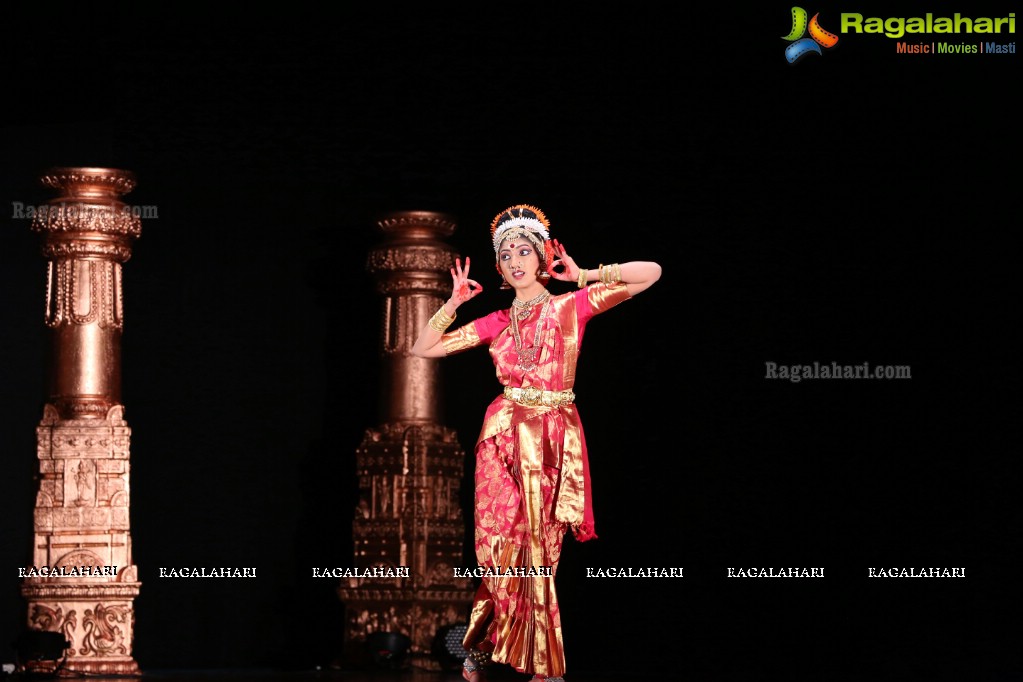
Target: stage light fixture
447	647
40	651
389	649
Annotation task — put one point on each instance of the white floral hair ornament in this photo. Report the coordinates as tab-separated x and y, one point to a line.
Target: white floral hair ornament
517	221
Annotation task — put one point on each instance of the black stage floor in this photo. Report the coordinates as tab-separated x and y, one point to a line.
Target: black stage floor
409	674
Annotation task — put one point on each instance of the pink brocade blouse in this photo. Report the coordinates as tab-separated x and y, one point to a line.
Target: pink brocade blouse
555	365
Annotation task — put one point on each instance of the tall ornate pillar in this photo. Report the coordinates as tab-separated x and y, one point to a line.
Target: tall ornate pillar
82	582
410	466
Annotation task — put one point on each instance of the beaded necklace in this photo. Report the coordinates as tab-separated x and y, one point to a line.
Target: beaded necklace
529	355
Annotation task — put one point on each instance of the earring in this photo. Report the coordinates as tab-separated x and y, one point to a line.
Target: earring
543	275
504	282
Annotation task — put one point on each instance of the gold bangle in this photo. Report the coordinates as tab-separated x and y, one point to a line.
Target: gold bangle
441	320
611	274
582	277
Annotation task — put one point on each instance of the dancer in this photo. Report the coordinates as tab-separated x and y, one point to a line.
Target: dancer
532	472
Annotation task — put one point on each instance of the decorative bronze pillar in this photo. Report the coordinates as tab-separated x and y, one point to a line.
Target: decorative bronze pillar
410	467
82	582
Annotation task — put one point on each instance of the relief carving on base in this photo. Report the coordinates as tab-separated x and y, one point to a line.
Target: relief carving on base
80	483
79	557
103	632
45	618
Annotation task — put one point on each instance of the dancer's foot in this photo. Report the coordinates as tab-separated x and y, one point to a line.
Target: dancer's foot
471	672
472	666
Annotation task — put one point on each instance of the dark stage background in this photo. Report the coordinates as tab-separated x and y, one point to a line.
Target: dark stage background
856	206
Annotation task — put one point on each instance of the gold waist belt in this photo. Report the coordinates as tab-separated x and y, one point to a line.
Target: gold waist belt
530	396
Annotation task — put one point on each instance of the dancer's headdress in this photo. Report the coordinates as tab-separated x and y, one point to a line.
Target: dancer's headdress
522	220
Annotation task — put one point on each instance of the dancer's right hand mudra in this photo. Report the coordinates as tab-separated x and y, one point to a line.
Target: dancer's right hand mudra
429	345
463	287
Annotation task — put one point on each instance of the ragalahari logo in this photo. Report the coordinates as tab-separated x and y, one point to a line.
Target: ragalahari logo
802	46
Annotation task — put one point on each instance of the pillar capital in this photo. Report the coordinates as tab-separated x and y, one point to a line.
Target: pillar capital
88	218
413	258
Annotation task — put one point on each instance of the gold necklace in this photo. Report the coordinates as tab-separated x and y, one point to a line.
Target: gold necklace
528	356
525	305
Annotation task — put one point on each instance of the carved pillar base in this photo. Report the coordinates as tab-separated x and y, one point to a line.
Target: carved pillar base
408	516
416	613
82	582
97	620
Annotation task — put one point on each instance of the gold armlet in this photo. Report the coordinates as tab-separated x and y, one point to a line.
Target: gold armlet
441	320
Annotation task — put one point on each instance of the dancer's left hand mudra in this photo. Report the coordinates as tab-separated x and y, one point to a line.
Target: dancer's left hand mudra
560	265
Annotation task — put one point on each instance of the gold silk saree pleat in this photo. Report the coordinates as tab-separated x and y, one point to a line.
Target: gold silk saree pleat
518	615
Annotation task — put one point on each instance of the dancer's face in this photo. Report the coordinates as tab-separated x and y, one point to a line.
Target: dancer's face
519	261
